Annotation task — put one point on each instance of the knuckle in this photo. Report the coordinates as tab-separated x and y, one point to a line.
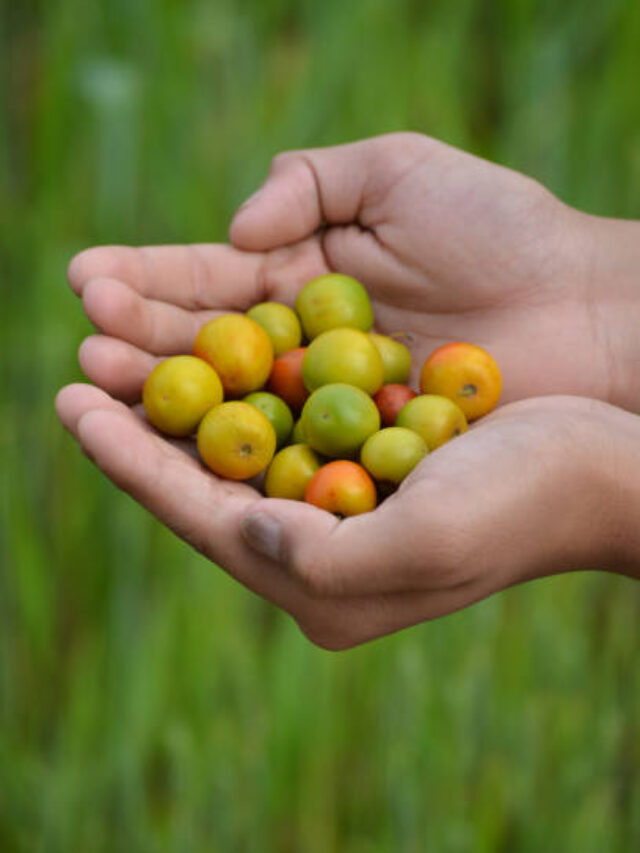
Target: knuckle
316	575
284	159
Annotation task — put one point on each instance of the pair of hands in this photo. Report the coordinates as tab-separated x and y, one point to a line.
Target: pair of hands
450	247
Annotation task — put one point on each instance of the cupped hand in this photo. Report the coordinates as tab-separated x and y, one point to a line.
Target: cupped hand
450	247
531	490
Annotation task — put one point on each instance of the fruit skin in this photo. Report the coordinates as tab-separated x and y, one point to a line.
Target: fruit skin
337	419
179	392
281	324
392	453
437	419
396	359
298	435
276	410
236	440
331	301
240	351
290	472
343	488
466	374
343	355
286	380
390	399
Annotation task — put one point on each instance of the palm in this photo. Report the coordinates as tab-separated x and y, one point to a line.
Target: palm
449	247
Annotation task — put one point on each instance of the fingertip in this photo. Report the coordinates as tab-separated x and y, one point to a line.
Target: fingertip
90	263
74	400
115	365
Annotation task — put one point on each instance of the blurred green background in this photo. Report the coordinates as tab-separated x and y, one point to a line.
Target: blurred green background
147	703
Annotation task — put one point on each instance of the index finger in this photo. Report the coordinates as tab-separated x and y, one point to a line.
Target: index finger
195	276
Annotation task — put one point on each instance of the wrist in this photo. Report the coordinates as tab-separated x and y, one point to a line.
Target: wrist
612	293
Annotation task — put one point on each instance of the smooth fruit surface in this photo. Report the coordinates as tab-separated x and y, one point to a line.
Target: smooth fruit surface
179	392
236	440
466	374
276	410
290	472
343	355
281	324
437	419
298	435
286	379
333	300
338	419
238	349
392	453
342	487
396	359
390	399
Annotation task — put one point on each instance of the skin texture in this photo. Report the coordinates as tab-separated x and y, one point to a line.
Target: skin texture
450	247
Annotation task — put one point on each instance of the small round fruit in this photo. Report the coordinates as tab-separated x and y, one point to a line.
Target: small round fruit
240	351
396	359
331	301
236	440
343	355
466	374
290	472
338	419
437	419
390	399
343	488
392	453
179	392
276	410
298	435
281	324
286	380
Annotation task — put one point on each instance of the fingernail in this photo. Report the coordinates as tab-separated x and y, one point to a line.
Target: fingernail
264	534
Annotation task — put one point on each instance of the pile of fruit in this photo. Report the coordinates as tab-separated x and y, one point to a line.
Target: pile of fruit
360	428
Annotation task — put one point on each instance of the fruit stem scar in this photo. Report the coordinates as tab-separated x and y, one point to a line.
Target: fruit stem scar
468	390
245	449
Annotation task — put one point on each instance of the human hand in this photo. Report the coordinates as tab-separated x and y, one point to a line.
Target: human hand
473	251
538	487
450	247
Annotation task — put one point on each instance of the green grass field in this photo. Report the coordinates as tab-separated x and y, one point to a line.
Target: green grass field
148	703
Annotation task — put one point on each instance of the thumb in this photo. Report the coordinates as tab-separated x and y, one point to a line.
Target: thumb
304	190
362	555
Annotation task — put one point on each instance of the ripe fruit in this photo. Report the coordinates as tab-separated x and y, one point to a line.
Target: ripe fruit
290	471
331	301
236	440
298	435
466	374
286	379
342	487
276	410
343	355
392	453
240	351
390	399
436	419
396	359
179	392
338	419
280	323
